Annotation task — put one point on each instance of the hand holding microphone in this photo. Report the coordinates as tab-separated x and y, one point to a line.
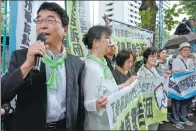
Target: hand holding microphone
41	37
35	52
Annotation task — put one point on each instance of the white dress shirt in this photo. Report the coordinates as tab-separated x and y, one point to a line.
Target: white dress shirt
56	98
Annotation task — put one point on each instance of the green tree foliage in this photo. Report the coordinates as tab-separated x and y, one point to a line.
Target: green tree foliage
146	18
189	6
148	11
170	13
2	20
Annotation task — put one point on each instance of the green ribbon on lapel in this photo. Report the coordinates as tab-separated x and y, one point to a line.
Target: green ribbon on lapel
102	62
51	82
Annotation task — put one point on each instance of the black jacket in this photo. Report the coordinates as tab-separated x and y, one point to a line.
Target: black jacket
31	105
110	62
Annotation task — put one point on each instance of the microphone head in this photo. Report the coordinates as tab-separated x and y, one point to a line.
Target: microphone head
41	37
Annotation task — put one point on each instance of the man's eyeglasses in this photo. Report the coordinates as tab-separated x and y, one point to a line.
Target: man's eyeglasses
48	20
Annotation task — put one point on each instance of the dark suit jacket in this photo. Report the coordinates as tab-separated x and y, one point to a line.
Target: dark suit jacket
110	62
31	105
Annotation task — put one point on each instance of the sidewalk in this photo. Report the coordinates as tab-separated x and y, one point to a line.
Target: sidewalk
168	126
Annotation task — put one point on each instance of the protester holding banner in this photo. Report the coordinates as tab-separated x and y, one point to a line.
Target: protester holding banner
162	66
148	69
193	57
52	98
123	73
180	107
98	80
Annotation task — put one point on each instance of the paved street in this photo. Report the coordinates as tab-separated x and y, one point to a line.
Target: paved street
168	126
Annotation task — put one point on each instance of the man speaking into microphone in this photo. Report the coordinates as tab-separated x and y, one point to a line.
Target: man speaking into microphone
50	98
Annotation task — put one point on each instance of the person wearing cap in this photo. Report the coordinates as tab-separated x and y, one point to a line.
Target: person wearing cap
110	56
180	107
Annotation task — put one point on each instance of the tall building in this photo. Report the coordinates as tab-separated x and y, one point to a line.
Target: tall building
124	11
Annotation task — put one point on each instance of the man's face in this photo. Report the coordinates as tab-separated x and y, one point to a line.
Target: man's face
192	23
185	52
111	50
49	22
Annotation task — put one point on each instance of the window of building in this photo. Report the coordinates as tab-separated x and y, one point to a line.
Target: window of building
110	15
131	21
109	4
110	9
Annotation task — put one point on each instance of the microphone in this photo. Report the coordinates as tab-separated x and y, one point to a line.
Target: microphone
38	58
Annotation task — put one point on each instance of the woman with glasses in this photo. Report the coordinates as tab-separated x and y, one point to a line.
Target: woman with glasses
150	61
148	70
123	74
98	79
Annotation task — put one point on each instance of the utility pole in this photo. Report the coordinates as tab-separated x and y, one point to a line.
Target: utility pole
4	38
161	33
0	34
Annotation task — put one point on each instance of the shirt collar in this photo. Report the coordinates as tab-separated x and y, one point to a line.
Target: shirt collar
59	55
182	58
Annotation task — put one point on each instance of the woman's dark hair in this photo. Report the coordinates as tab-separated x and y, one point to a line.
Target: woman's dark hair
182	29
51	6
124	55
160	50
149	51
95	32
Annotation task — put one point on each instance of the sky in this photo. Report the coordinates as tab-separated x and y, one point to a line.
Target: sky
94	12
180	18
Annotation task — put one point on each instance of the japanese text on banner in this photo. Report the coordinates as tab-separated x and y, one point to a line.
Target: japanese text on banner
137	106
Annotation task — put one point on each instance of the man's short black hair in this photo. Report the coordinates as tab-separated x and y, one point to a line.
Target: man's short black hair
149	51
122	56
51	6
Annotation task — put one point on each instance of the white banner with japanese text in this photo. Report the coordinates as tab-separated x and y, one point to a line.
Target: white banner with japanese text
141	104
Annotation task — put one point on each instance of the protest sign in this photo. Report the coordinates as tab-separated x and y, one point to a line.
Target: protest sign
135	107
182	85
131	38
23	30
79	23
